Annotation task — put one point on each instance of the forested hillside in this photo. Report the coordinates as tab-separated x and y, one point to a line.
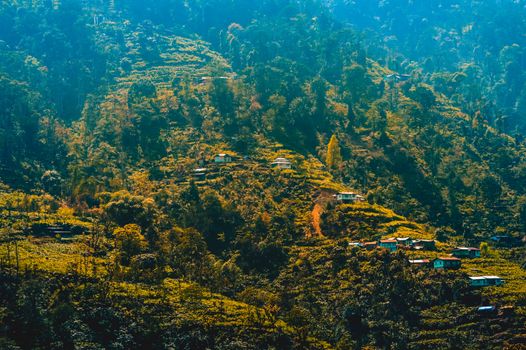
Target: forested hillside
174	174
472	51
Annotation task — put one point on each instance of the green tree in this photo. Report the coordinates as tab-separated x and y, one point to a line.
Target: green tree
355	84
522	213
424	95
129	242
485	250
319	88
124	208
186	252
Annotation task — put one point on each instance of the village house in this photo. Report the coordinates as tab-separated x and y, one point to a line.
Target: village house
390	244
59	230
356	244
424	244
466	252
405	241
199	173
504	240
397	77
391	77
282	163
487	310
446	263
486	281
349	197
223	158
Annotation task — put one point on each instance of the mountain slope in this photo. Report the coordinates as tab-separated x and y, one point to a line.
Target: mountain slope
122	226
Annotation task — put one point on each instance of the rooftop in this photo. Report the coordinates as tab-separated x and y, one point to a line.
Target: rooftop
485	278
419	261
486	308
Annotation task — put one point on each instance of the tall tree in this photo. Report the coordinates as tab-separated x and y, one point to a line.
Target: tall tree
334	157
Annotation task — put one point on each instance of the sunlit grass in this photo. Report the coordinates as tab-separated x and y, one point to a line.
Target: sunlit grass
54	257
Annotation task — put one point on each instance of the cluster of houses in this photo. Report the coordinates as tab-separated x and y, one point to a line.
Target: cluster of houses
452	262
394	244
201	173
225	158
281	163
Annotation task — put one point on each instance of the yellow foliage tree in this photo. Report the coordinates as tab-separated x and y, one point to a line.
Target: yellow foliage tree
334	157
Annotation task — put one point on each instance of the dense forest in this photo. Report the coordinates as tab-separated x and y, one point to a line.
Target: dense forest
275	174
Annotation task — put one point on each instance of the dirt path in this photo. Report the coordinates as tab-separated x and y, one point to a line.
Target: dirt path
316	219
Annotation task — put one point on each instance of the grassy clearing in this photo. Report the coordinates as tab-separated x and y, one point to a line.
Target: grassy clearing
54	257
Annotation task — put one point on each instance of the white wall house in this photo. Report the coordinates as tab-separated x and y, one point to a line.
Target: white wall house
349	197
485	281
282	163
222	158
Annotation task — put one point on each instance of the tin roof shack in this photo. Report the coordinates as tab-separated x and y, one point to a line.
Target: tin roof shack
282	163
420	262
505	241
390	244
424	244
404	241
395	78
222	158
57	230
62	232
447	263
490	310
486	281
199	173
466	252
349	197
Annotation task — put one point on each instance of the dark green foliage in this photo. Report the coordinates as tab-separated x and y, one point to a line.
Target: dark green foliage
472	52
124	208
111	112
